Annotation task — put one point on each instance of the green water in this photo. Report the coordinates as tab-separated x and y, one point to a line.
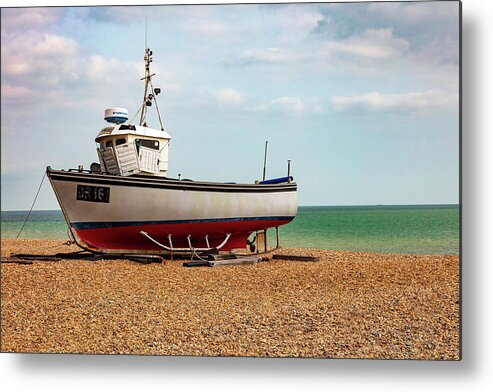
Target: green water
430	229
48	225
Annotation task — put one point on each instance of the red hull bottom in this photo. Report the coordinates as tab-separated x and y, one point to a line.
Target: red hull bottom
130	238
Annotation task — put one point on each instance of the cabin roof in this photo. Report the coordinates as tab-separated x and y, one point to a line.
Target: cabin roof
127	129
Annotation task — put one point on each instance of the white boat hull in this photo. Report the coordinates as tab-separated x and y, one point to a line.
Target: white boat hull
109	213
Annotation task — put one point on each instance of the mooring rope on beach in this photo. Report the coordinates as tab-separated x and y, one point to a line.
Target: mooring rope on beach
34	202
65	243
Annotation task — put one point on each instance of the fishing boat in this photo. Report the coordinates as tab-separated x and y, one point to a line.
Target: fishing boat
126	204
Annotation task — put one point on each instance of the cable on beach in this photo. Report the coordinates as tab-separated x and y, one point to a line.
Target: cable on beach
34	202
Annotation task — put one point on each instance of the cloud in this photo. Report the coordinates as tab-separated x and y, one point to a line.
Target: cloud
294	23
48	83
100	69
245	103
205	26
26	19
395	103
13	93
228	96
263	56
297	105
291	105
430	28
116	14
415	12
39	59
372	44
137	14
46	68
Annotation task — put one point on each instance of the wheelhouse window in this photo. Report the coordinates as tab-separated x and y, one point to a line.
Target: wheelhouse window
154	144
120	141
125	126
109	143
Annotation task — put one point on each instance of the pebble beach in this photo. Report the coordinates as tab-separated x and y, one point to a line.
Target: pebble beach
347	305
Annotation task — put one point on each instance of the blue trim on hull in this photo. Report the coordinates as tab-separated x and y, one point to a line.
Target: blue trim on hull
108	225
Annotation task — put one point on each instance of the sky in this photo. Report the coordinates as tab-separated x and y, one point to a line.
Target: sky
363	98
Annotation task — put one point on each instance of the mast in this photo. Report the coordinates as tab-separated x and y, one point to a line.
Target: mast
265	160
149	96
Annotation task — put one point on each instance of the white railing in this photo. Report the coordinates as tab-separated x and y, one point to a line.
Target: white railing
190	248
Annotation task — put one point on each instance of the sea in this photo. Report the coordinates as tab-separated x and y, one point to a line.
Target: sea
420	229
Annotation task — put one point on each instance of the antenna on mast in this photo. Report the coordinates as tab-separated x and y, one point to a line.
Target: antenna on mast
148	98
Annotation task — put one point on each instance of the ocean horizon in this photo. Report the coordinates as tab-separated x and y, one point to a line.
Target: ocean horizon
416	228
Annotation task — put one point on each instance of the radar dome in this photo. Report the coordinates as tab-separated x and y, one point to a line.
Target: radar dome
116	115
